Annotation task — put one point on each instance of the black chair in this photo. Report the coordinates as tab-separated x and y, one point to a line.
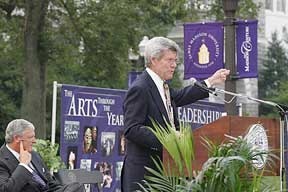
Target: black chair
66	176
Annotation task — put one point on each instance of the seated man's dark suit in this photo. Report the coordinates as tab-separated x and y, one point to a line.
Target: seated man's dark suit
16	178
143	102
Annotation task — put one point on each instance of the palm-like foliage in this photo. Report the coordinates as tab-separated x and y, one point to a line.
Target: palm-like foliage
229	168
162	180
179	145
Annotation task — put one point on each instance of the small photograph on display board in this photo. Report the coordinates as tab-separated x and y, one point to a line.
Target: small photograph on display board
87	140
118	169
94	139
87	187
85	164
106	169
71	157
107	143
121	143
71	131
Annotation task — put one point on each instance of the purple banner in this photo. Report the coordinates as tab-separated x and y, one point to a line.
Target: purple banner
92	132
132	76
203	49
247	53
200	113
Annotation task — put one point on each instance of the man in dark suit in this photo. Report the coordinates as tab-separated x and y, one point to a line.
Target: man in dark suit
21	168
146	100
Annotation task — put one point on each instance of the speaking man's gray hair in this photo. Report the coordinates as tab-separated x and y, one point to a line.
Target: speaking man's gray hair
156	46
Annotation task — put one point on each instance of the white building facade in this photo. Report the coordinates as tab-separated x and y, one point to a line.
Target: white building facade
276	17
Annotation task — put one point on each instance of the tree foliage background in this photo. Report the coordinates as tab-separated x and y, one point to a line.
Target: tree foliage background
273	77
82	42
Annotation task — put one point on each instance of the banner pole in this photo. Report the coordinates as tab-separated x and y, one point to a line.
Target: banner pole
281	152
230	7
283	147
54	110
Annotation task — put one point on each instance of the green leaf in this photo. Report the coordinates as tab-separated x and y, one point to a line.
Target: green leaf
49	154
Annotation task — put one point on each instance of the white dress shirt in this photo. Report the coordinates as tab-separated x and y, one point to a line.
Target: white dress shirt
159	84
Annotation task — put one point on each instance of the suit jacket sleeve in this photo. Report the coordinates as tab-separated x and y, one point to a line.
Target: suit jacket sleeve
16	181
187	95
137	117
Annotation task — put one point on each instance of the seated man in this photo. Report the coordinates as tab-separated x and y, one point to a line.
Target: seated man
21	169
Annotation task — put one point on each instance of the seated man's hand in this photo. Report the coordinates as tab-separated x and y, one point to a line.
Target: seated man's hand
24	156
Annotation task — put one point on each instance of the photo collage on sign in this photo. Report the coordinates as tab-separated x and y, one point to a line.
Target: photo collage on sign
89	148
92	136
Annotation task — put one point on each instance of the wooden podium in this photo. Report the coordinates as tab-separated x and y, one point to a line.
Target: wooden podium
233	126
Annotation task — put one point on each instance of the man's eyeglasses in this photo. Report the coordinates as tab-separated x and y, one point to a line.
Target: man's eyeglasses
172	61
27	139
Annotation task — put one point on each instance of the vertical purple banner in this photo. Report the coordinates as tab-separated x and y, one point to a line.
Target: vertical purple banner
247	52
203	49
92	132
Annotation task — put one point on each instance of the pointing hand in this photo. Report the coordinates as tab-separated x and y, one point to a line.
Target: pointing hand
218	77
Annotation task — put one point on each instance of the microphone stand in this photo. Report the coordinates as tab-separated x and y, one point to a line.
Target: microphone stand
282	109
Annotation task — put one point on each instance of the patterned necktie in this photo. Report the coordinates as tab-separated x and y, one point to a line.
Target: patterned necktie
36	177
168	104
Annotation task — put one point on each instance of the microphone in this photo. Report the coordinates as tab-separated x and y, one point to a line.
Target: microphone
199	85
284	107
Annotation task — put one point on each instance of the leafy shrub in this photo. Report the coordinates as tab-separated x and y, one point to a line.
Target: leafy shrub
49	154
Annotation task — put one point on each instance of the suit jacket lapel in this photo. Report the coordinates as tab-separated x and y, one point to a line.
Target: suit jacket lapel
156	96
9	157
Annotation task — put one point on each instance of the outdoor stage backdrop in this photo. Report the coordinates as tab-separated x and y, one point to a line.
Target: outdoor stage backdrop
92	129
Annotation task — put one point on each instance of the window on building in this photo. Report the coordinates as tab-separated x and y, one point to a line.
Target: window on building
269	4
281	5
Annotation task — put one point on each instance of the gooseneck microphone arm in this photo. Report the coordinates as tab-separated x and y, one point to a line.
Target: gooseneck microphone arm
214	91
281	108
